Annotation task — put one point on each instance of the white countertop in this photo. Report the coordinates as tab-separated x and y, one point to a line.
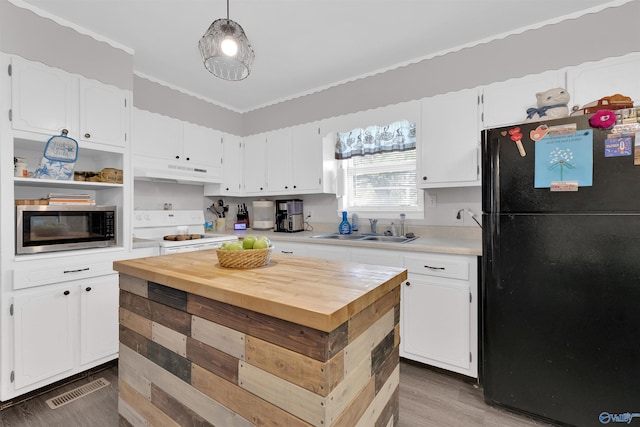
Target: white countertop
446	240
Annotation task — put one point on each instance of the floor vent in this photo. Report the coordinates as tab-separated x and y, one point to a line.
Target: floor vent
77	393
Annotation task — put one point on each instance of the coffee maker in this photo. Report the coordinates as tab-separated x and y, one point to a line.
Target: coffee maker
289	216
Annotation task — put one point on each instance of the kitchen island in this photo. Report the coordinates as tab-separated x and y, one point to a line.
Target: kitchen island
299	342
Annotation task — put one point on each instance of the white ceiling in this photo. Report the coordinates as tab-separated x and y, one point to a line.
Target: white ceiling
301	46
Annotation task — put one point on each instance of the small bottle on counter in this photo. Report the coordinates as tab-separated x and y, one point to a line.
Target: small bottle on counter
354	223
345	227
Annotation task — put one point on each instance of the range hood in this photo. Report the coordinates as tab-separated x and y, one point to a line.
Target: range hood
150	169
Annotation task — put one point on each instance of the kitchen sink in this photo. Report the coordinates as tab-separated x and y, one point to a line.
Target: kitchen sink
388	239
338	236
365	237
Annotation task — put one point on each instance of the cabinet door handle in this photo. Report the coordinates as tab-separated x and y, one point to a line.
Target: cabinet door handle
177	157
87	135
188	158
76	271
88	288
434	268
424	178
407	283
66	292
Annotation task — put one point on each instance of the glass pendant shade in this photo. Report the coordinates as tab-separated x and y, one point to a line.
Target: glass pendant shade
217	48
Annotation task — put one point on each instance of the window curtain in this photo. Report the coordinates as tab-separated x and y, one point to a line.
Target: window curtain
398	136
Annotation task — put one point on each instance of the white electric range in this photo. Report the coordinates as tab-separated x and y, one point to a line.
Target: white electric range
176	224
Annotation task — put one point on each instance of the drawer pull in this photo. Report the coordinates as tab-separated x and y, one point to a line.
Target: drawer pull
88	289
286	252
76	271
434	268
66	292
407	283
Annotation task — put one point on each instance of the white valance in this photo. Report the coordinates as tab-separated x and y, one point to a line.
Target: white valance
398	136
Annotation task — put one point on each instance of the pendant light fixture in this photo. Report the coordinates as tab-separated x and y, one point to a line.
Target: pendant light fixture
225	50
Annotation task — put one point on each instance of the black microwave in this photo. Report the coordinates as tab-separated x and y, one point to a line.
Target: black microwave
50	228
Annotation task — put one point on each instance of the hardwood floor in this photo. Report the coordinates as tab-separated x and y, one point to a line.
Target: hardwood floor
427	398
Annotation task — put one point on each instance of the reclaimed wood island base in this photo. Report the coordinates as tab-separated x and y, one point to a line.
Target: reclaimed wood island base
299	342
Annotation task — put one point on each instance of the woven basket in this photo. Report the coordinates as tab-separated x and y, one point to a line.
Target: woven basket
248	258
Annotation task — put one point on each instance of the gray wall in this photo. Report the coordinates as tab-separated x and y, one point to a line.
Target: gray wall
612	32
24	33
609	33
151	96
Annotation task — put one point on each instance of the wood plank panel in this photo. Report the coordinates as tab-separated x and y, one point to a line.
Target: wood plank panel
386	369
209	409
213	360
306	372
381	352
170	317
134	285
130	375
362	346
256	410
133	340
135	322
347	390
301	339
169	339
218	336
292	398
367	317
176	410
357	407
135	304
170	361
168	296
379	402
128	416
145	408
390	412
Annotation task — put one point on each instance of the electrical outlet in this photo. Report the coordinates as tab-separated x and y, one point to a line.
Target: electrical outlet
458	215
430	200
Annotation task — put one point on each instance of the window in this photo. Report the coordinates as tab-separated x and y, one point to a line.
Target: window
385	183
379	170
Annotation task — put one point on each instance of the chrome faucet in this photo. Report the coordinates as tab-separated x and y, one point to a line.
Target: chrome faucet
373	223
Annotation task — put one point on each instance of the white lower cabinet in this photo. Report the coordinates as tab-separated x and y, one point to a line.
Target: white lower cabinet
289	248
63	329
439	314
338	253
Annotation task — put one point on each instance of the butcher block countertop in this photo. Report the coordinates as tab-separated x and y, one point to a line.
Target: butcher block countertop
320	294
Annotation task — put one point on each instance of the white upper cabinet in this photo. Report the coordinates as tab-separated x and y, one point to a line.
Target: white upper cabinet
506	102
594	80
103	113
255	164
307	159
232	165
46	100
169	148
279	161
202	145
155	135
449	138
42	98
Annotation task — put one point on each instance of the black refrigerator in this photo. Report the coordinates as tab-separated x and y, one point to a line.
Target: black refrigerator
561	271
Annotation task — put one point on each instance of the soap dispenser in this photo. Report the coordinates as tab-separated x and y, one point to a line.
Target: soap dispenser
345	227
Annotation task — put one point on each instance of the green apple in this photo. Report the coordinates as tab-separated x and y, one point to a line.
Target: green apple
248	242
263	242
225	246
234	246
